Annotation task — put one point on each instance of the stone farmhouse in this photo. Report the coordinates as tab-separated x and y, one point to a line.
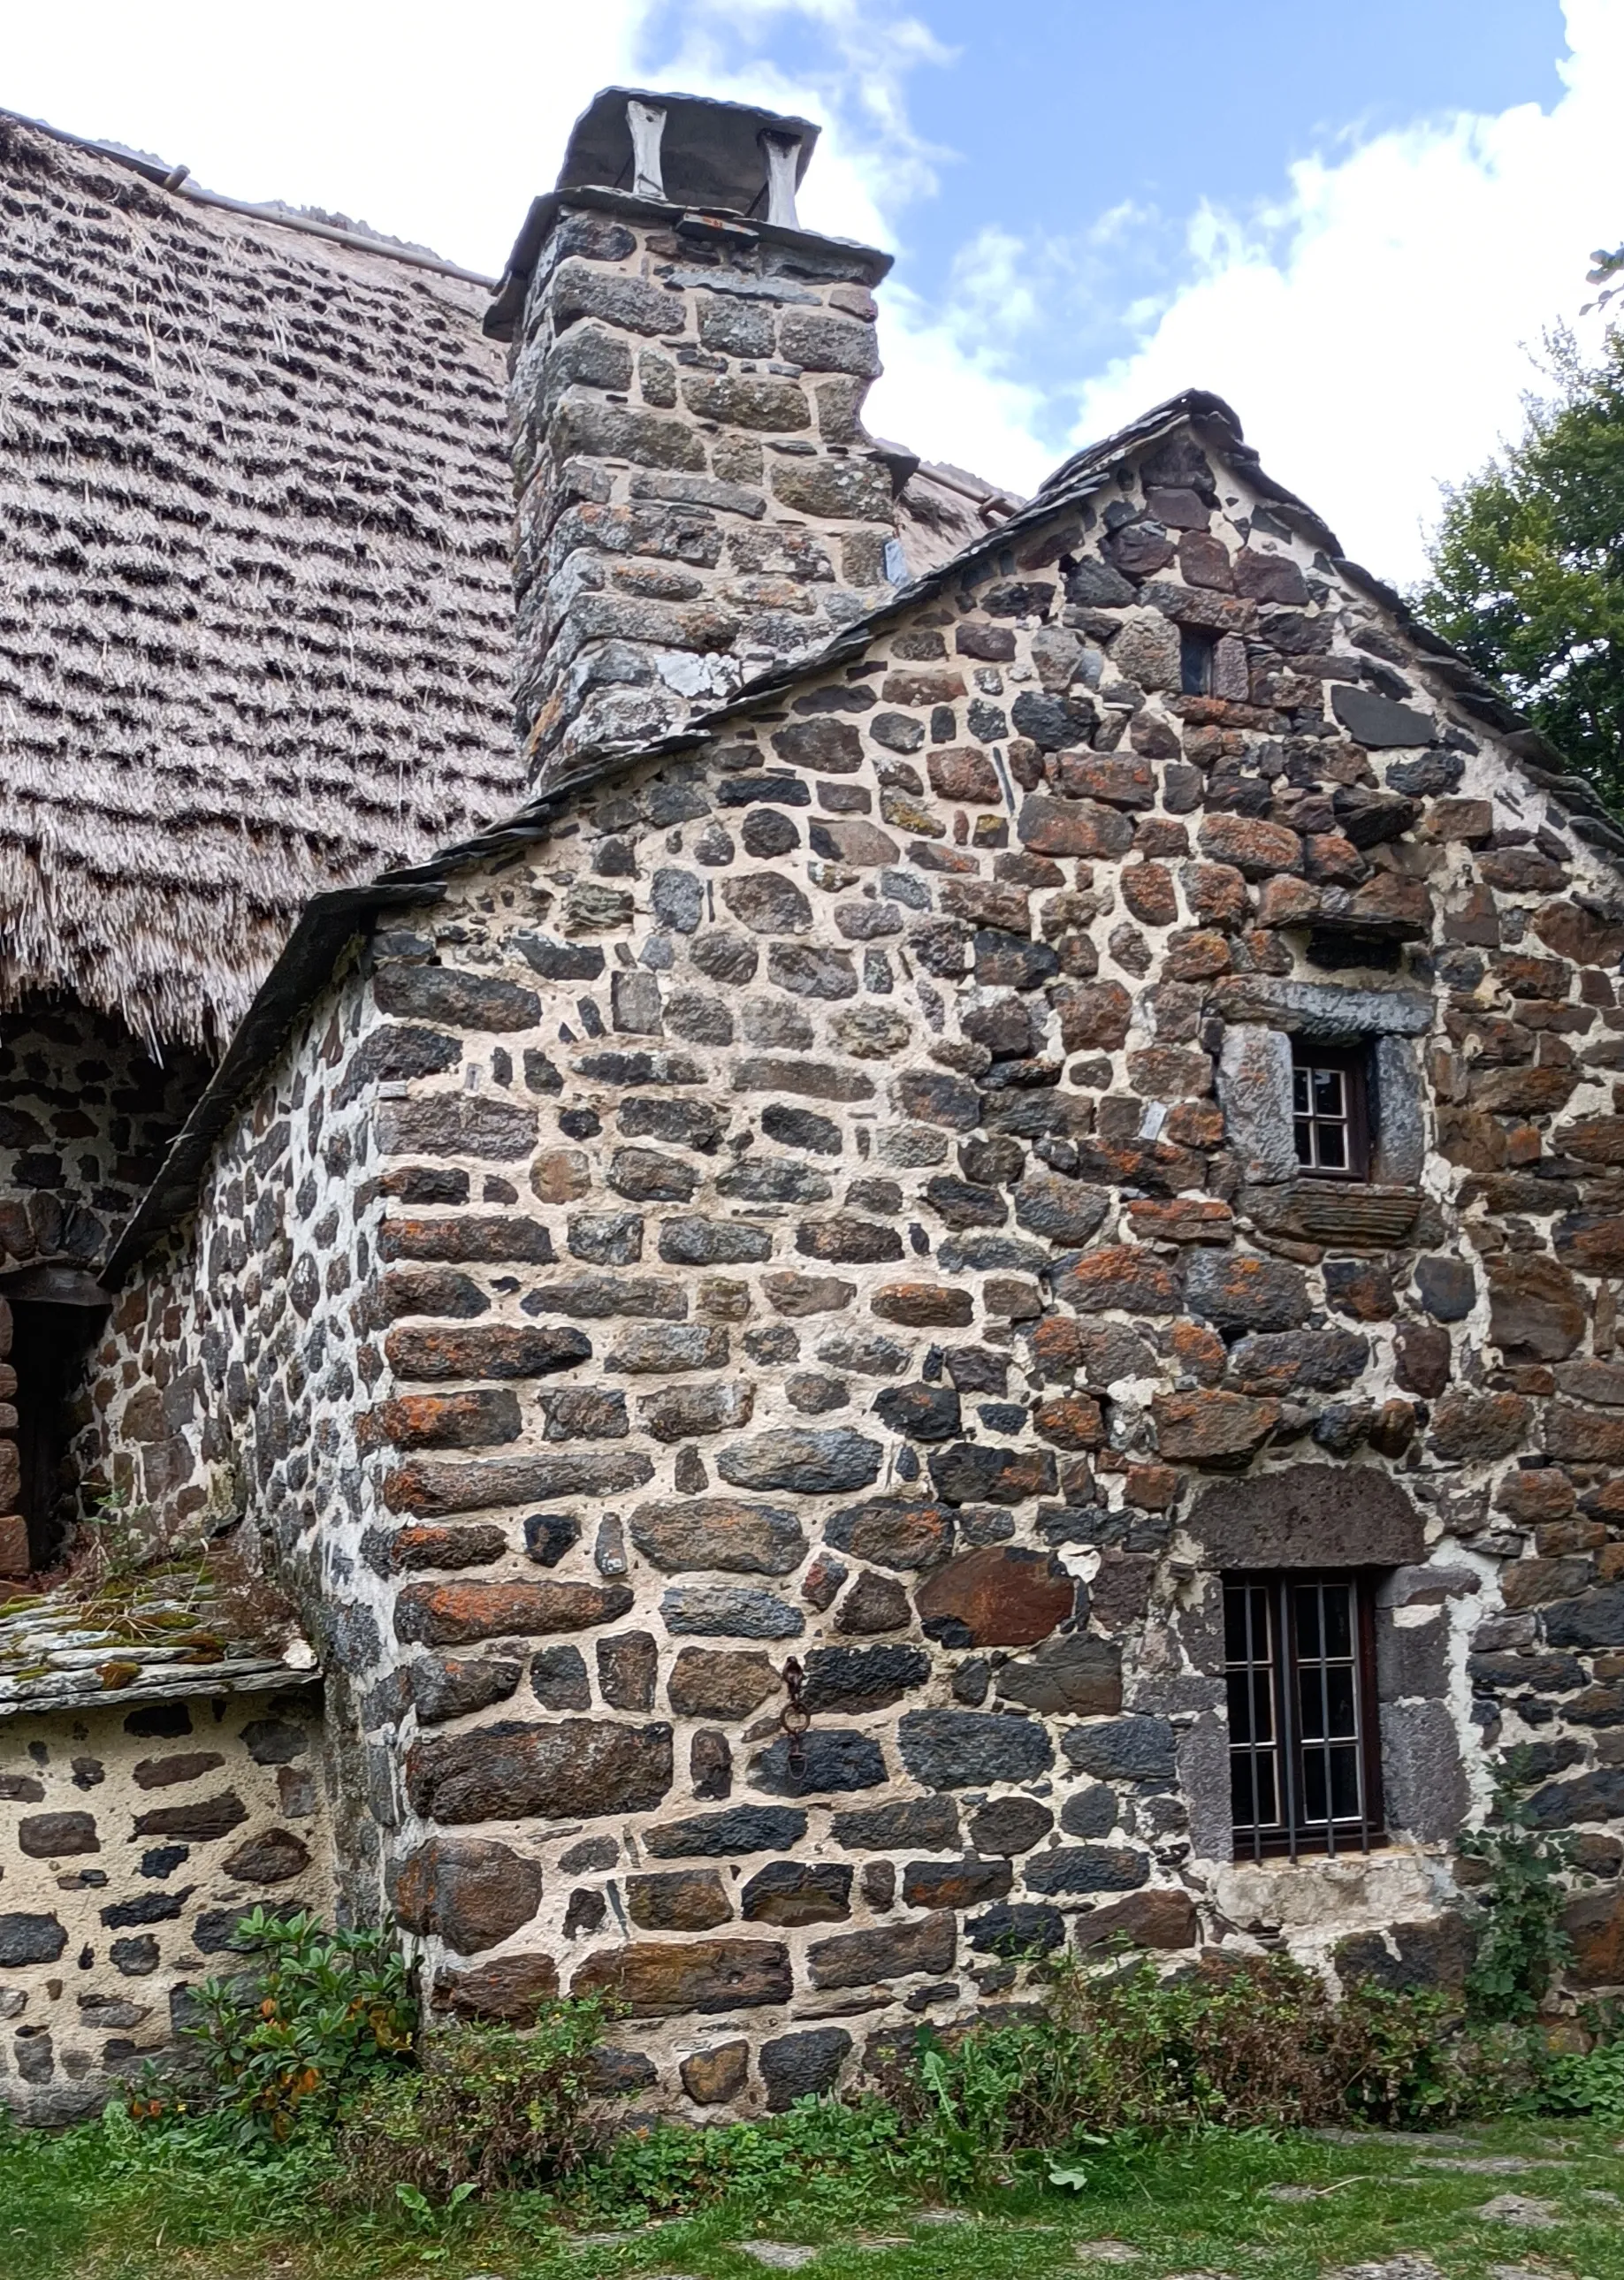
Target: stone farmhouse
874	1227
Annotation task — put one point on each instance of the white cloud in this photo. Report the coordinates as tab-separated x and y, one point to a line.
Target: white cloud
1373	329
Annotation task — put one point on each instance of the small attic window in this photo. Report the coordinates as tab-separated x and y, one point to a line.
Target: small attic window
1196	662
1330	1109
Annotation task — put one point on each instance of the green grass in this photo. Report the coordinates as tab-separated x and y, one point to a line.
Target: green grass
71	2210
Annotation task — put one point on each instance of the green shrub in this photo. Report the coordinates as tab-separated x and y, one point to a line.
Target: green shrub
485	2107
325	2013
824	2162
1593	2084
1523	1945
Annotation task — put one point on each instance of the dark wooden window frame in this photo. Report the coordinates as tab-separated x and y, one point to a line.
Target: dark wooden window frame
1290	1832
1352	1065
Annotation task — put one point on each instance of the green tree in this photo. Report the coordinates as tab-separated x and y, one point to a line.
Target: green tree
1527	563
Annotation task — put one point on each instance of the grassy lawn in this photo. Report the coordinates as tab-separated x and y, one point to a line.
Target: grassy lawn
1247	2205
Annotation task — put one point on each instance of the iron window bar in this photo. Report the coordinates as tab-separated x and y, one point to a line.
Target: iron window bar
1304	1748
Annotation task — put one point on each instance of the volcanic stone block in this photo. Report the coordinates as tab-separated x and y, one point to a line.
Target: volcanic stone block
271	1857
1594	1921
914	1823
998	1596
1018	1929
831	1759
716	2077
659	1348
627	1666
1423	1782
683	1413
452	1614
438	1487
472	1890
794	1892
865	1959
1071	1868
1222	1430
1240	1293
729	1611
1467	1426
1309	1516
431	1352
969	1473
446	1687
893	1535
208	1817
53	1836
559	1679
1010	1824
717	1836
1076	1675
803	2065
512	1771
684	1899
1122	1748
509	1991
967	1884
1378	721
26	1938
1159	1918
719	1532
965	1749
1121	1275
659	1981
862	1678
806	1464
712	1683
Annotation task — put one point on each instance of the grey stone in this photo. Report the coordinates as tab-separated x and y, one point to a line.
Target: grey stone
1254	1087
1085	1868
1122	1748
1400	1138
918	1821
1424	1783
718	1836
805	1463
1378	721
726	1611
1309	1516
712	1242
1324	1012
831	1759
719	1532
963	1749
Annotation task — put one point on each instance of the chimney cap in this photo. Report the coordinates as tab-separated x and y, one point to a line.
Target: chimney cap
710	151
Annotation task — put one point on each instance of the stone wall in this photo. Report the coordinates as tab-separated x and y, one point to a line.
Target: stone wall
829	1201
87	1116
697	499
133	1840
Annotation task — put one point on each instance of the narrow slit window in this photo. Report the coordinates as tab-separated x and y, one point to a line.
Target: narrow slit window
1305	1772
1330	1110
1196	664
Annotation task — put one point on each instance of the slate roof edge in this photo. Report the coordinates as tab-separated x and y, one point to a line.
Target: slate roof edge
178	181
331	921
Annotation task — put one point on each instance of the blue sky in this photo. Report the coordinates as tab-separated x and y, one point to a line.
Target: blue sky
1355	222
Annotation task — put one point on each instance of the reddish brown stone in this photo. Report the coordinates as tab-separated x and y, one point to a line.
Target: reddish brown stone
794	1892
681	1899
1073	826
1071	1421
1217	895
893	1533
996	1597
15	1560
272	1857
451	1614
807	1294
472	1890
447	1351
1169	1072
569	1769
189	1765
208	1817
923	1305
1199	957
1159	1919
1597	1139
1594	1923
1123	1276
1543	1497
720	1683
1212	1429
510	1990
890	1952
716	2077
1334	859
963	772
1359	1288
1199	1350
874	1603
659	1981
1094	1016
1288	902
1190	1219
967	1884
1573	932
1251	845
1582	1437
1594	1241
1471	1427
1425	1358
460	1544
1147	891
1537	1312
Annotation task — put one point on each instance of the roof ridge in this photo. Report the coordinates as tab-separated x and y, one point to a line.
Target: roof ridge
179	182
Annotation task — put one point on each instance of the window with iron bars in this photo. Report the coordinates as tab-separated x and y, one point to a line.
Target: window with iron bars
1330	1109
1305	1759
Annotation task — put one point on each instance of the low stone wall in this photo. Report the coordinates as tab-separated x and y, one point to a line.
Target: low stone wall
132	1841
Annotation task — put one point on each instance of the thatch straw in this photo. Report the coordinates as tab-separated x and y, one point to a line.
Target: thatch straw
254	585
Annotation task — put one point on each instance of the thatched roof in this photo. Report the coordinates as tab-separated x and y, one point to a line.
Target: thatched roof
255	599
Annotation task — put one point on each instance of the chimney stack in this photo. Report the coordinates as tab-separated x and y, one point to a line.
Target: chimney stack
698	500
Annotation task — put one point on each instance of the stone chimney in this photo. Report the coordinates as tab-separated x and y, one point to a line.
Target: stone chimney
697	499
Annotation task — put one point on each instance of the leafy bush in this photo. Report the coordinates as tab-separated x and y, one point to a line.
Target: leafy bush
326	2013
1263	2045
1523	1945
487	2107
1592	2084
